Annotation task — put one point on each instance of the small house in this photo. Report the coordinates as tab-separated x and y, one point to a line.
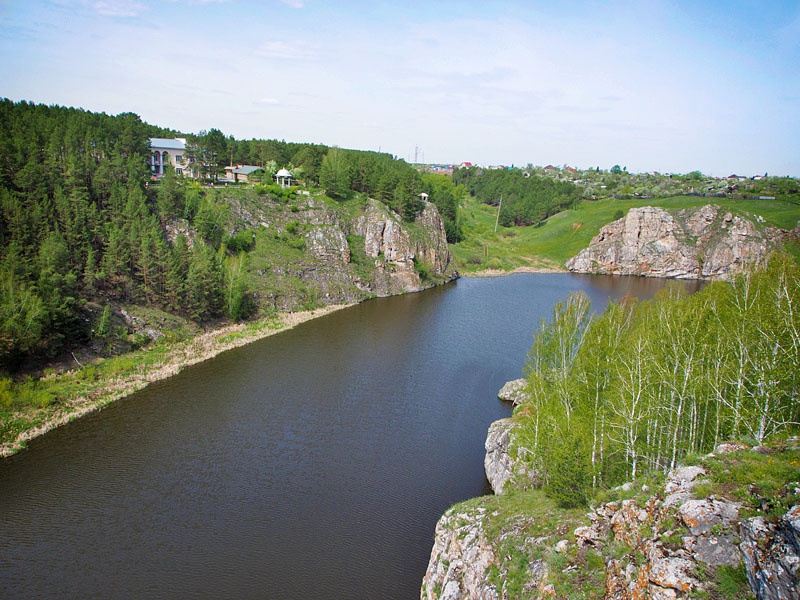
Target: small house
241	173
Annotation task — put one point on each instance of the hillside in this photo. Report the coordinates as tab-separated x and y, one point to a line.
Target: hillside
705	530
106	249
561	236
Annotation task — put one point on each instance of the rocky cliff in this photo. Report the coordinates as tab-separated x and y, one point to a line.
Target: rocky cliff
700	533
704	243
321	251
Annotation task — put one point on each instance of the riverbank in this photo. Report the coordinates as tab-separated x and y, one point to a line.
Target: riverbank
82	391
502	273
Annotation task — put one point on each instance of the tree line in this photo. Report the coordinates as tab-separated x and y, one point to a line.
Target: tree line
341	172
646	383
524	198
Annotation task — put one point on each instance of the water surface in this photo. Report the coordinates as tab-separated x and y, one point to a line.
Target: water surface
312	464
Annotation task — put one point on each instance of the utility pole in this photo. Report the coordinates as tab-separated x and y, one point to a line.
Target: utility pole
499	208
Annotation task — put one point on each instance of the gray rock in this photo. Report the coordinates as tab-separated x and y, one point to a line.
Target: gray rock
515	392
771	555
460	559
717	550
701	515
498	464
694	244
328	243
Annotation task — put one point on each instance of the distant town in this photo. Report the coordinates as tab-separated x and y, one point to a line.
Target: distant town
617	182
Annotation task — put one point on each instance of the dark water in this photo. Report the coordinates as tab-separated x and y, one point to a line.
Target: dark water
312	464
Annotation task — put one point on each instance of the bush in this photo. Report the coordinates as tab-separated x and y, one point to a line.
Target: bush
568	475
494	263
6	395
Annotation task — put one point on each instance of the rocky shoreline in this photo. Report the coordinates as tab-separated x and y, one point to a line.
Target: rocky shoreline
200	348
663	542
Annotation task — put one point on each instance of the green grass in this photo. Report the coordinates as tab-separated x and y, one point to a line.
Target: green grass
524	526
565	234
759	481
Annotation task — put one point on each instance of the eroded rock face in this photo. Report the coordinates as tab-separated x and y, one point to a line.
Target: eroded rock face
328	243
772	555
460	559
671	539
694	244
498	464
665	569
431	248
395	252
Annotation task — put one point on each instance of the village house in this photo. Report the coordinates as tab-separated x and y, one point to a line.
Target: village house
241	173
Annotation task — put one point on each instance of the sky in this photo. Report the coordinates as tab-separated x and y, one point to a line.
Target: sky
655	85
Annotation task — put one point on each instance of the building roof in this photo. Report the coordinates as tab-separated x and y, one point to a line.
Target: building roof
244	169
168	144
283	173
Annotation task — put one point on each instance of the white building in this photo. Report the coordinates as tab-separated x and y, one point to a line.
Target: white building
164	151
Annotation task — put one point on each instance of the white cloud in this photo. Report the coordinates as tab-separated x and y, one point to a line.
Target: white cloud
116	8
285	51
294	3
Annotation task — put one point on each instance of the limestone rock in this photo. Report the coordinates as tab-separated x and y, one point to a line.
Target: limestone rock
701	515
515	392
460	559
431	248
498	464
328	243
717	550
693	244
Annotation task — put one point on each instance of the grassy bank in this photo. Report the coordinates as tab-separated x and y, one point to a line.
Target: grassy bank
33	407
563	235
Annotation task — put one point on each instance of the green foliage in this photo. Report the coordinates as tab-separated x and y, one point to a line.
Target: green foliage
569	477
522	198
335	173
570	231
423	270
241	241
644	385
757	480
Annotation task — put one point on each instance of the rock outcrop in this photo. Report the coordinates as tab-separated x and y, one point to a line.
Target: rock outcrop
515	392
340	254
498	463
704	243
665	544
772	555
460	559
669	537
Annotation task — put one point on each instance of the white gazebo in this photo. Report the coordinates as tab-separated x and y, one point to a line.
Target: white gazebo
283	177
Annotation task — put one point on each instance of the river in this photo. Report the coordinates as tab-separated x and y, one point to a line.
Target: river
311	464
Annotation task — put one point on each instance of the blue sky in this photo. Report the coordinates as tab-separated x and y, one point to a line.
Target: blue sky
660	85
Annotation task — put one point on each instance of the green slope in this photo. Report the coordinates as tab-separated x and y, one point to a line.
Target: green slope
563	235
